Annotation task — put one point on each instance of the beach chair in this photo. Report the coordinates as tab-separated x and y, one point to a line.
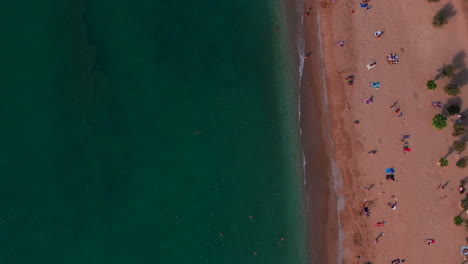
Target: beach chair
371	65
375	85
364	5
389	170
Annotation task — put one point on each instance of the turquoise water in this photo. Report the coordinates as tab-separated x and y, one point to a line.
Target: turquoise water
148	132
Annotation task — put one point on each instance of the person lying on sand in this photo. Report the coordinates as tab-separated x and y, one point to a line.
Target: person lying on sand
379	224
437	104
369	100
350	79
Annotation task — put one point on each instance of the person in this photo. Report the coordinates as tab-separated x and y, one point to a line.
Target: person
392	205
406	148
378	34
459	119
365	211
340	43
430	241
378	224
356	122
349	79
461	189
405	137
307	13
437	104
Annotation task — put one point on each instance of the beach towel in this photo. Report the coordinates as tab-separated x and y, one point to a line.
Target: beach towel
464	251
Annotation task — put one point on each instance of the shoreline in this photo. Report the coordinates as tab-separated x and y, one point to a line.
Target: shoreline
322	227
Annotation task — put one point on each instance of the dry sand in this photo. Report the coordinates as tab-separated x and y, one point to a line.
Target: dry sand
422	211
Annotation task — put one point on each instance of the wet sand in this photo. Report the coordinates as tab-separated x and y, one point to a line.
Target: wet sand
321	203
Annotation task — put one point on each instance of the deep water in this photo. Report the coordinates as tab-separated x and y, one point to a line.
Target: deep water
148	131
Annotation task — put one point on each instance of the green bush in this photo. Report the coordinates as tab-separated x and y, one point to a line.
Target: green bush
431	85
439	121
464	203
459	146
439	19
458	129
452	89
448	70
461	163
443	162
453	110
458	220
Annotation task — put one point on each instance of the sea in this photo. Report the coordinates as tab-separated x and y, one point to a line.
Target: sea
149	131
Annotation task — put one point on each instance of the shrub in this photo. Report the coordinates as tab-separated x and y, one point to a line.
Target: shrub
433	0
439	19
452	89
459	146
448	70
439	121
461	163
453	110
443	162
458	129
431	85
458	220
464	203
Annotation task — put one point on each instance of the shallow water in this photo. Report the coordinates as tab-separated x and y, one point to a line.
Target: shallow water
148	132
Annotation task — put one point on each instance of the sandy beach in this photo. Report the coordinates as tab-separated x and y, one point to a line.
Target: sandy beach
424	210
